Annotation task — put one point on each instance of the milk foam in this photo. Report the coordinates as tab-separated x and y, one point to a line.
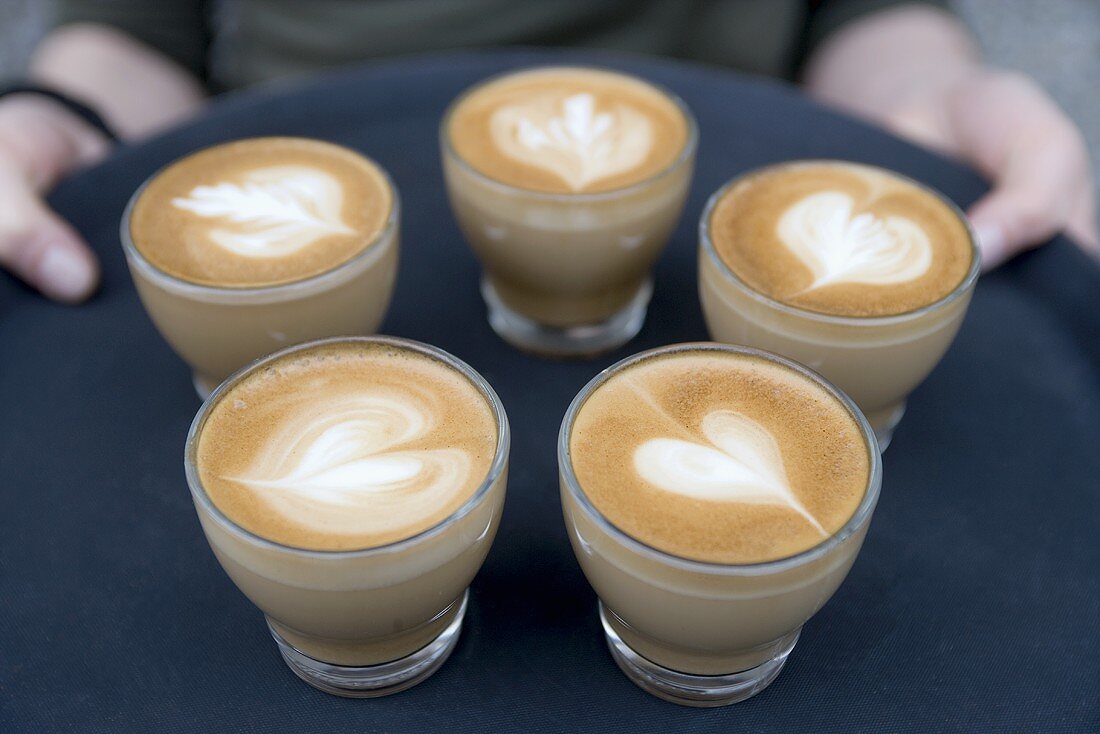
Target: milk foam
841	248
743	463
340	464
277	211
570	137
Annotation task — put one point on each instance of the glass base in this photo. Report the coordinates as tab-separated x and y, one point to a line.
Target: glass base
884	422
572	341
373	681
686	689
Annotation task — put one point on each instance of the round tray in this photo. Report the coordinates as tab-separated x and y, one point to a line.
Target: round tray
973	606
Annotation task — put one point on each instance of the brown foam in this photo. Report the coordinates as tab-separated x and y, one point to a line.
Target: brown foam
240	426
822	447
743	229
177	241
469	130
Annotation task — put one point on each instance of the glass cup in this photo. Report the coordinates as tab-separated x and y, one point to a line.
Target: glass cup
567	274
877	360
698	633
371	622
217	330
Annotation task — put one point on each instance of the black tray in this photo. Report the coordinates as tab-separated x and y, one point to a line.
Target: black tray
973	607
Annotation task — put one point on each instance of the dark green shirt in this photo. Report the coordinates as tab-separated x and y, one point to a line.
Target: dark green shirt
231	43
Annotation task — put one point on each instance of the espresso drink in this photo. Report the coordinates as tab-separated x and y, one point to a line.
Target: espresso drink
567	183
351	489
243	248
855	271
716	497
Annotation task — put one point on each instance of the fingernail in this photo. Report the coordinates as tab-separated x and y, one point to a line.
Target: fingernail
991	241
65	275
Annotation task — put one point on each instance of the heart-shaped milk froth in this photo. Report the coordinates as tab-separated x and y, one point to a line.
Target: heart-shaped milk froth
568	137
742	464
276	211
840	246
339	466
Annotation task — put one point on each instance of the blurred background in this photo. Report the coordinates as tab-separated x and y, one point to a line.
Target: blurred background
1055	41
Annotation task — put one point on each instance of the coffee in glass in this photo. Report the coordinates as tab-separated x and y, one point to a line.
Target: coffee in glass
351	489
716	496
567	183
250	246
856	271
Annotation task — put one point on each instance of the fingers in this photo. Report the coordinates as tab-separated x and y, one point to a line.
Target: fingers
40	248
1035	156
1031	201
1082	226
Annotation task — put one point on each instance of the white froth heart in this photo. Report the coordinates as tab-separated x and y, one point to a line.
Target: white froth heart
568	137
840	248
340	468
275	212
743	464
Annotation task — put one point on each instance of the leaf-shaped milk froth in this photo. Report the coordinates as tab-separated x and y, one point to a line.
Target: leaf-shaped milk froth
742	464
571	139
838	247
276	211
340	465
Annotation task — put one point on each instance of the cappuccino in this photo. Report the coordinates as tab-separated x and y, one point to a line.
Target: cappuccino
853	270
567	183
245	247
716	497
351	489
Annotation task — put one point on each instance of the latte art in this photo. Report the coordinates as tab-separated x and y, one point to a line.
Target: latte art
571	139
341	465
276	211
567	130
839	247
349	445
742	464
837	238
714	455
261	212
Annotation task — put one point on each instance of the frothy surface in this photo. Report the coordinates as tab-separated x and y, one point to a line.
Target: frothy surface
567	130
260	212
719	457
841	238
346	446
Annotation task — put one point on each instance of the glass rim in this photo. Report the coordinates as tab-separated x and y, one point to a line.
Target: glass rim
963	287
496	468
134	255
857	520
691	143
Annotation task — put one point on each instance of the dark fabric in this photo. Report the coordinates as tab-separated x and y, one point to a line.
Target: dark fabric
233	43
79	109
972	608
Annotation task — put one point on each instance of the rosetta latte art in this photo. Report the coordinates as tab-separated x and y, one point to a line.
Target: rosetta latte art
340	465
838	247
569	138
275	212
742	464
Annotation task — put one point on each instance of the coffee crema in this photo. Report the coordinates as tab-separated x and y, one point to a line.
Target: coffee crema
841	238
719	457
567	130
260	212
346	446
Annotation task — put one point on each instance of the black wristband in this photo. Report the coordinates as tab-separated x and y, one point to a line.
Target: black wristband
79	109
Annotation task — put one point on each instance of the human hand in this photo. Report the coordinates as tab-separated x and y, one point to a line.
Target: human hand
1008	128
41	142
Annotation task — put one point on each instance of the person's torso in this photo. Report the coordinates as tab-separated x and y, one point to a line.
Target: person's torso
257	40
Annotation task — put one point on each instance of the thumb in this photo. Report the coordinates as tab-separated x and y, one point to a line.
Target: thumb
1018	214
41	248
